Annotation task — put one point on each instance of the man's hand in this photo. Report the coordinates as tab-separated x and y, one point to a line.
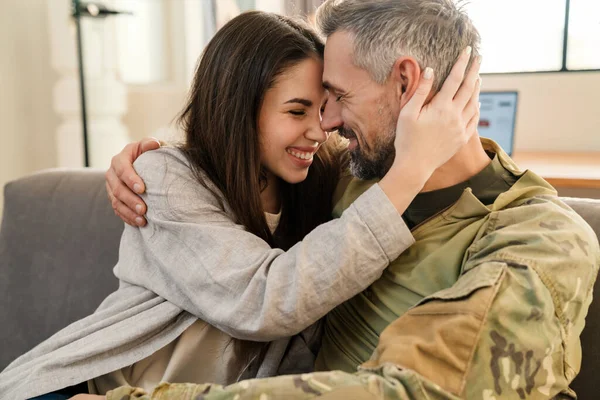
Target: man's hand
88	397
123	184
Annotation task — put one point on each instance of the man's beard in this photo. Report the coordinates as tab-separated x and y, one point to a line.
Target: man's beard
371	163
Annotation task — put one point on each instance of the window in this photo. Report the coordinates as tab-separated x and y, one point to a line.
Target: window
529	36
584	35
516	36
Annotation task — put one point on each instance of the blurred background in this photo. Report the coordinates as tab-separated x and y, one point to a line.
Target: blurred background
137	68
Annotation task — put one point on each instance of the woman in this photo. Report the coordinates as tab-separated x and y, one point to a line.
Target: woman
211	269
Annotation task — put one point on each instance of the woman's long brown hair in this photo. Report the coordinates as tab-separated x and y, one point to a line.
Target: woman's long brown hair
220	121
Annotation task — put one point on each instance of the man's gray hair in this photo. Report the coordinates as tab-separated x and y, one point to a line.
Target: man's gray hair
433	32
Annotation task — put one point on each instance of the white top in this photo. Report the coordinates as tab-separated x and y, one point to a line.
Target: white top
273	220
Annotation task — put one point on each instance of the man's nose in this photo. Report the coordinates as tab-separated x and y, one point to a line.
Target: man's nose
331	119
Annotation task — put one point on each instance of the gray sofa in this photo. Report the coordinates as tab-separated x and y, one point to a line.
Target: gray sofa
59	240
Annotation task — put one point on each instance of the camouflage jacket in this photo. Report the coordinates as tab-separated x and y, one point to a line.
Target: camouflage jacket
504	323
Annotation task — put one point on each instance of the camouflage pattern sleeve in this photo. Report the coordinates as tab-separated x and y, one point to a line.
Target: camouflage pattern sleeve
529	347
387	382
509	328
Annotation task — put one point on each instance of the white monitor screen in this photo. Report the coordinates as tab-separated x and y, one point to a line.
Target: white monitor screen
498	117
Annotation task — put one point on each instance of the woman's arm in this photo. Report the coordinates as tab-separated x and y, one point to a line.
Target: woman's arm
194	255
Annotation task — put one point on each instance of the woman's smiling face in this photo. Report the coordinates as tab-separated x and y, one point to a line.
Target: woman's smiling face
289	123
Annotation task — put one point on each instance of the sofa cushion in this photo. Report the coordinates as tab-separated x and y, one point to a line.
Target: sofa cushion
59	240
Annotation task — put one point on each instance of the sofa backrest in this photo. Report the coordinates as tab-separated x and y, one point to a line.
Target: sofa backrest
59	241
585	383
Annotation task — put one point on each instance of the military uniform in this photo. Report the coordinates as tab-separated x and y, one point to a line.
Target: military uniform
489	303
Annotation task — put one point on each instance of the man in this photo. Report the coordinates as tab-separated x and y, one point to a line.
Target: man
490	301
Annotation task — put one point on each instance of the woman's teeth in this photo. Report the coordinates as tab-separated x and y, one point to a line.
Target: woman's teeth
300	155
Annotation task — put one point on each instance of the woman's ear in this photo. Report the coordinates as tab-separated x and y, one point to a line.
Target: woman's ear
406	74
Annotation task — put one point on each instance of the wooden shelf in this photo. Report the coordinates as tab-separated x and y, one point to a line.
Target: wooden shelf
566	170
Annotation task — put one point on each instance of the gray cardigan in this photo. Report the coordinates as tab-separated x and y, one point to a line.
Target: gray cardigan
193	261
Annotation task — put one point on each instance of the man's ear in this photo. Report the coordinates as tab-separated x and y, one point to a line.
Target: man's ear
406	74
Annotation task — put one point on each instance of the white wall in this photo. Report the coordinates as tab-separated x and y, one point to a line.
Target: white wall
275	6
556	112
27	121
152	111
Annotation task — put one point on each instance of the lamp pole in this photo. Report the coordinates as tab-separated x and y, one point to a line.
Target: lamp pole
93	10
77	16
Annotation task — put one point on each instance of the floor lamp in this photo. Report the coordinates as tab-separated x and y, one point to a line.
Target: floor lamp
87	10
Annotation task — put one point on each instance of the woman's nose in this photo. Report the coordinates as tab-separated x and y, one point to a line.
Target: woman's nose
316	134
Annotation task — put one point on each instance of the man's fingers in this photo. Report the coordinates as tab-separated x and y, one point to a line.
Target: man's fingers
472	126
122	165
111	180
138	222
128	216
127	221
130	177
149	144
465	93
116	205
117	190
124	195
455	79
128	152
416	102
472	108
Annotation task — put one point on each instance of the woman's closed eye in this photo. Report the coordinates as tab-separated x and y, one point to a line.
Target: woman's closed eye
297	112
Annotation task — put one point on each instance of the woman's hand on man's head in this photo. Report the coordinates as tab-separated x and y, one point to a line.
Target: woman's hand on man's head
430	134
